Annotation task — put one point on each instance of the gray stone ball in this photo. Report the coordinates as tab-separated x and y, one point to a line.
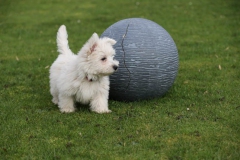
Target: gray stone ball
148	60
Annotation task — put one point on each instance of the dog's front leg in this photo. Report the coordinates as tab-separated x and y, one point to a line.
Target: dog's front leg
66	104
99	104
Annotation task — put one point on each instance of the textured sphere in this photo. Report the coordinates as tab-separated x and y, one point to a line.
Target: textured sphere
148	60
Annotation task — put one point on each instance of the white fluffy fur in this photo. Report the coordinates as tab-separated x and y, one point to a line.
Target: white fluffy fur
82	77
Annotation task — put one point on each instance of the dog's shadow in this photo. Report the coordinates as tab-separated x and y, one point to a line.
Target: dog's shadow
82	108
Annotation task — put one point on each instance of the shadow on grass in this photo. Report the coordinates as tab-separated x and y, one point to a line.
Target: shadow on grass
82	108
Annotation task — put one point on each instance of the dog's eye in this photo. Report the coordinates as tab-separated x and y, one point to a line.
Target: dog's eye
104	59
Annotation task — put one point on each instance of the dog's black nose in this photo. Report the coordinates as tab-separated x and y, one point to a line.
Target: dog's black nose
115	67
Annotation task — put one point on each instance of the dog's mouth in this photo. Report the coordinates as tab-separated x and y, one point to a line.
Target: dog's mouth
111	71
107	74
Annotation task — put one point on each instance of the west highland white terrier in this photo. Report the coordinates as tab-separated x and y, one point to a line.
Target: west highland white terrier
83	77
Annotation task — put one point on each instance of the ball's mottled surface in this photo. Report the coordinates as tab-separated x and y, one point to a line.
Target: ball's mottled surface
148	60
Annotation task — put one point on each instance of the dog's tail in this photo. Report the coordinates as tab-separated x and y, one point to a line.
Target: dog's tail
62	41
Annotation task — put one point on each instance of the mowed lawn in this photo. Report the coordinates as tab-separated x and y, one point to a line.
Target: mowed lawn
199	118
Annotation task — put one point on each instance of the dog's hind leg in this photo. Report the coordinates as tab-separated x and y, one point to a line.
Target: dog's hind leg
66	104
54	93
55	100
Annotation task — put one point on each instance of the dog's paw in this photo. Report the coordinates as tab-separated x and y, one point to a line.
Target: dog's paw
55	101
67	110
102	111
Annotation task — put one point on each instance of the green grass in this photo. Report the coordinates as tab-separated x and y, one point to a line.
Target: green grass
207	35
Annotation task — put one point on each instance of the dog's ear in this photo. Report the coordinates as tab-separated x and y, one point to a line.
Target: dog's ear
110	40
93	47
93	42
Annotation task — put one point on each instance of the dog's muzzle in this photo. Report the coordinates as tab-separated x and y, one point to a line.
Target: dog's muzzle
115	67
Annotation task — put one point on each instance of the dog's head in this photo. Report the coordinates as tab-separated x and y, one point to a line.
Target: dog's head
99	56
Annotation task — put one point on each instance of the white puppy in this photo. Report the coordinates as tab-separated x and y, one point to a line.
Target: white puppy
82	77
